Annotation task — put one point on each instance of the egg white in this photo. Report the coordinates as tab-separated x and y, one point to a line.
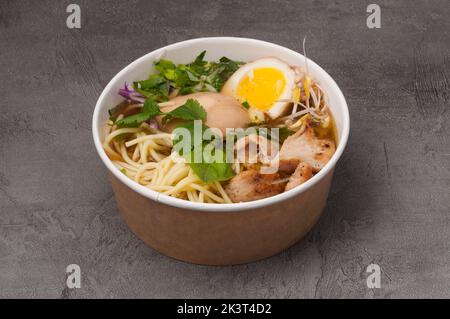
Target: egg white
278	108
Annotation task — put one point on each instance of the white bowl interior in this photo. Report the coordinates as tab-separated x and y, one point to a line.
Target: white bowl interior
234	48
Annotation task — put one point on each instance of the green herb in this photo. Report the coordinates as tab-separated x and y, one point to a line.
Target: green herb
198	76
149	110
224	69
199	59
133	120
166	68
123	171
191	110
246	105
283	134
178	138
155	87
213	167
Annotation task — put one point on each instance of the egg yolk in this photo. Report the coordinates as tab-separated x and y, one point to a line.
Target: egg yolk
261	87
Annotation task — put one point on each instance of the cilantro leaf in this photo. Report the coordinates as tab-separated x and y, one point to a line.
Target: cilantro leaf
206	160
197	76
165	67
191	110
199	59
133	120
222	70
156	87
213	167
198	66
150	110
179	137
246	105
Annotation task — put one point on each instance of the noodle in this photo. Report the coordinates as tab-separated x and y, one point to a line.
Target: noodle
145	157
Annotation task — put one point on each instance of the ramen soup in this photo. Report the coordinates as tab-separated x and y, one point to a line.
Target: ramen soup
223	131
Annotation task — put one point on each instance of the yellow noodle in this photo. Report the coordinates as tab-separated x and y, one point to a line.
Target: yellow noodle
136	154
190	196
127	166
201	197
144	152
111	153
141	149
178	175
147	176
160	143
144	167
156	156
195	195
143	156
118	132
147	137
207	192
123	152
165	169
116	146
177	172
181	184
222	192
114	126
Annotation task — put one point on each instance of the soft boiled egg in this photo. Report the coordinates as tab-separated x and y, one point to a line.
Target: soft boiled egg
266	84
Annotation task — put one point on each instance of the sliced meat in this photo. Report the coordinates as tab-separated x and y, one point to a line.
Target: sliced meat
288	165
302	173
255	148
305	147
252	185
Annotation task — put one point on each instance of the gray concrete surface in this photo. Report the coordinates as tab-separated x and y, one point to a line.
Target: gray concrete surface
390	198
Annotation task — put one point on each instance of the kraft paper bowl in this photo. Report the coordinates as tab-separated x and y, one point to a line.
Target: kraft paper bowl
220	234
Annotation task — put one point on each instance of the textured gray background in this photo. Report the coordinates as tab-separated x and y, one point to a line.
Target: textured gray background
390	198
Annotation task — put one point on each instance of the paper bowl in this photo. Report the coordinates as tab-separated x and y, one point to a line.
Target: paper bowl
220	234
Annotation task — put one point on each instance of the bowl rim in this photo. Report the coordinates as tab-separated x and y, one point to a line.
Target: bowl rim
210	207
